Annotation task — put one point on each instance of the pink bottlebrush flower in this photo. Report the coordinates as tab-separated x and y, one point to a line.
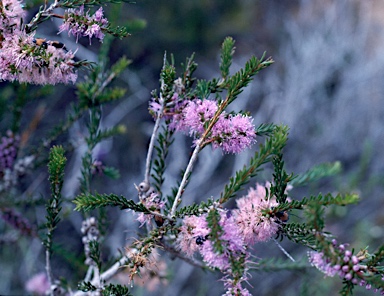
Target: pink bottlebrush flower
194	236
233	134
196	114
38	284
253	226
186	240
80	23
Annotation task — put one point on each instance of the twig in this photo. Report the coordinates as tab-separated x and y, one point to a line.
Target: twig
187	172
155	129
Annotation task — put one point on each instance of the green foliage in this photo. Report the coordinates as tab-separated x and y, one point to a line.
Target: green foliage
321	200
278	264
316	173
164	141
86	287
111	172
377	257
194	209
188	69
94	92
265	129
315	215
213	219
280	178
56	167
95	252
87	202
227	51
167	76
241	79
205	88
116	290
118	31
347	288
272	146
299	233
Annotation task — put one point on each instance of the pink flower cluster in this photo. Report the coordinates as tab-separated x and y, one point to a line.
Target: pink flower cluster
80	23
253	225
231	133
242	227
23	60
347	265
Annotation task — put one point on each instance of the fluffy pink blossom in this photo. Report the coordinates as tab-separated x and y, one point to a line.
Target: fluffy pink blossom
191	229
194	236
253	225
233	134
195	115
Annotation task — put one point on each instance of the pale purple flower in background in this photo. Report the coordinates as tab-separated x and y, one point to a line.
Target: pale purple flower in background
11	16
80	24
318	260
23	60
38	284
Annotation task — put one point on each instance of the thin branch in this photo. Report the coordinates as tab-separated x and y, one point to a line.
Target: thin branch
155	129
187	172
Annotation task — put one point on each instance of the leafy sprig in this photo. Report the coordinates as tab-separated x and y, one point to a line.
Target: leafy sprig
164	141
56	167
87	202
213	219
273	145
280	178
316	173
227	51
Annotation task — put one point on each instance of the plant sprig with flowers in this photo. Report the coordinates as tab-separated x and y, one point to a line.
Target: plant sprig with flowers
224	237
